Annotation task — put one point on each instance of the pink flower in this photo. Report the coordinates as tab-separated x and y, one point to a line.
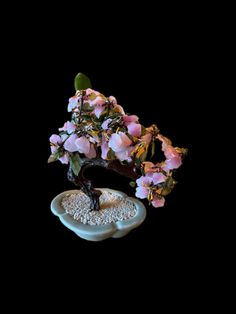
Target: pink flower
92	152
119	142
99	109
173	159
141	192
105	149
112	99
134	129
158	202
69	144
64	159
128	119
106	123
55	139
142	189
94	98
125	154
89	91
144	181
69	127
158	177
73	103
172	163
85	147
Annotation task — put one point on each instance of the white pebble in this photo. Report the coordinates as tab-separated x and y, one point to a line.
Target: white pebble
113	208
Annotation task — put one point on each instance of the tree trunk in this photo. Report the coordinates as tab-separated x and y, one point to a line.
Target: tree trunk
86	185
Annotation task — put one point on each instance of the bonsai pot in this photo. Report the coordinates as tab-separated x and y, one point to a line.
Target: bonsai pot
99	232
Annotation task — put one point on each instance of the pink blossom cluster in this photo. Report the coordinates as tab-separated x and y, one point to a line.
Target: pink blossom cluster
100	128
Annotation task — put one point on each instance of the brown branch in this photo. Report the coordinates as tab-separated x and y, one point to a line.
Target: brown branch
87	186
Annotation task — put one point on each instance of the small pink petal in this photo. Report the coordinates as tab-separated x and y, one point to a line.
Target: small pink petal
92	152
124	154
158	178
64	137
68	127
83	145
115	142
98	110
170	152
134	129
141	192
64	159
105	124
144	181
131	118
173	163
69	144
105	149
55	139
89	91
158	202
125	139
73	103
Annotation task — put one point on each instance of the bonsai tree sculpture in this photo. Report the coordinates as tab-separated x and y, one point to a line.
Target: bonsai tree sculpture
100	133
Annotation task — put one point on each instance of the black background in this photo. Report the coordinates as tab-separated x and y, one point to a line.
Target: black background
159	91
155	75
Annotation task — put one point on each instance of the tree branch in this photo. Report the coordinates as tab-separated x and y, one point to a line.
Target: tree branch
87	186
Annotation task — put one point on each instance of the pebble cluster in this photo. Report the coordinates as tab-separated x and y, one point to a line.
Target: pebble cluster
113	208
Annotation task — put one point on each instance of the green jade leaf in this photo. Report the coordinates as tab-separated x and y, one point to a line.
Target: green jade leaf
82	82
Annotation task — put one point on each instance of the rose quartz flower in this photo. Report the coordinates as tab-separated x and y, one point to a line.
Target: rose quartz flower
90	91
99	108
128	119
92	152
158	177
69	144
81	145
144	181
119	142
64	159
134	129
55	139
172	163
106	123
125	154
69	127
142	189
73	103
85	147
158	202
94	98
105	149
141	192
173	159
